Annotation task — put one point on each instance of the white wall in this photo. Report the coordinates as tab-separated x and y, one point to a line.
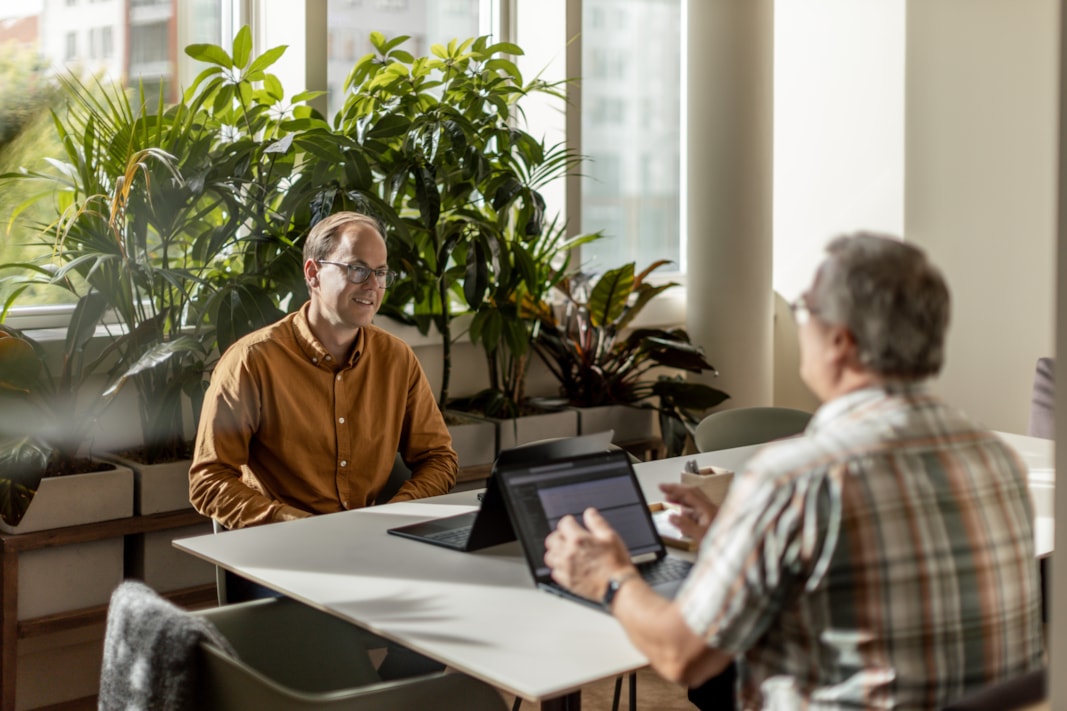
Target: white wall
838	146
838	128
980	186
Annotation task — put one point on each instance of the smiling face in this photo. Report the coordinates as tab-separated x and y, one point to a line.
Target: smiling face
340	308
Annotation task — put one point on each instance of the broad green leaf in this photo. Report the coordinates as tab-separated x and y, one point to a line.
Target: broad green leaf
210	53
19	364
267	58
273	86
610	295
242	47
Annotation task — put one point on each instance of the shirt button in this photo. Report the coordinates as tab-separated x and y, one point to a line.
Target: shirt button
338	377
329	358
341	420
344	462
314	360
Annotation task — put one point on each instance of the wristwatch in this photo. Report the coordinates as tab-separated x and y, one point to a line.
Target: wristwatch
614	585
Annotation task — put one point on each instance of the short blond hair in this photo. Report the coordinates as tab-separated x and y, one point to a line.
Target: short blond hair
320	240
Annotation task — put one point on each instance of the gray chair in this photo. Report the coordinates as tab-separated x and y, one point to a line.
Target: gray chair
292	657
748	425
269	655
1042	400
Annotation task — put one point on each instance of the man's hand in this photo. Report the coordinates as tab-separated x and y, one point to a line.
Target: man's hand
697	509
583	560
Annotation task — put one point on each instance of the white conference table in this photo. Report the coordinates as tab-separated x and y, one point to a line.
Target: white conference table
476	612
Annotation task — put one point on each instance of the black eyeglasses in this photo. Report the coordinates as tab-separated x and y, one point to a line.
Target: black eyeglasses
357	273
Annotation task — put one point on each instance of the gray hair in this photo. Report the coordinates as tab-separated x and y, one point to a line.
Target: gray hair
320	240
890	297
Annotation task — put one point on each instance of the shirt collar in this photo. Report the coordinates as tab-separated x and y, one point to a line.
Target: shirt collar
312	347
841	406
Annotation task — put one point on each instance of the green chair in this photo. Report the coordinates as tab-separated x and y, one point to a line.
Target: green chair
292	657
748	425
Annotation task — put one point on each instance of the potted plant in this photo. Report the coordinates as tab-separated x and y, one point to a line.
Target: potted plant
167	212
49	476
46	431
598	360
169	217
442	135
507	323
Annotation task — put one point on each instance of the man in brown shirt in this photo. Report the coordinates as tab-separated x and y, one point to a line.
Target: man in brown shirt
306	416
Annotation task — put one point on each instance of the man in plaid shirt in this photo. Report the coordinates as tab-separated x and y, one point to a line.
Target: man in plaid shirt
883	560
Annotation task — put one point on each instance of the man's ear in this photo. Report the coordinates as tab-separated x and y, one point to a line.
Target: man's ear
843	347
311	272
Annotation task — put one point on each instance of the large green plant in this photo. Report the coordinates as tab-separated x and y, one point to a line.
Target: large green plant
508	321
442	136
589	347
169	213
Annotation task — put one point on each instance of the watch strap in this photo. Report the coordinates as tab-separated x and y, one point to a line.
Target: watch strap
614	585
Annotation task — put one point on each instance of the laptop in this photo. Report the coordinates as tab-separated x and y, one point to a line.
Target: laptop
539	494
490	525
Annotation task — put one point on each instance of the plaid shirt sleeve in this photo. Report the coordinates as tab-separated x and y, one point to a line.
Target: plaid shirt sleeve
764	543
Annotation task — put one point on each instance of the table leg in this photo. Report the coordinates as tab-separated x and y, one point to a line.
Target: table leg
570	702
9	625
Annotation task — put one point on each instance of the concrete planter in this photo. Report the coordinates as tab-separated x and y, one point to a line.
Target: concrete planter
473	439
71	577
151	557
159	487
532	428
629	423
75	499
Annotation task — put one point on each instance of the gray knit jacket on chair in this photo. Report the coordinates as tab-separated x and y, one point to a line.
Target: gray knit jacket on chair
150	649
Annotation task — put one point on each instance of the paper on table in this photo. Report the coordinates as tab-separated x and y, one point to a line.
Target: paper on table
671	534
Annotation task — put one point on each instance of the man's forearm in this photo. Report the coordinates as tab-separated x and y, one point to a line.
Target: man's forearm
222	496
656	627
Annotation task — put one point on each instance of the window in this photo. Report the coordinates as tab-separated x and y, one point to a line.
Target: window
631	96
435	21
100	43
631	74
94	40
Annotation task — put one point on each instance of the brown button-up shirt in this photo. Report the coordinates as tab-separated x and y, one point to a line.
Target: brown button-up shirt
285	432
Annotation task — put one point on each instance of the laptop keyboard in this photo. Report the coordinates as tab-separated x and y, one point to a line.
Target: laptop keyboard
455	536
665	570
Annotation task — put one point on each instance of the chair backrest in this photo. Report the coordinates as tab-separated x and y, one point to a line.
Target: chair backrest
291	657
271	655
397	476
1042	400
748	425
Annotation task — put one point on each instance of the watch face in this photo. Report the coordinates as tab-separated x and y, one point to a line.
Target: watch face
609	594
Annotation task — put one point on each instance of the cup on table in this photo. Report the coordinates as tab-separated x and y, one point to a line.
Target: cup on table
714	481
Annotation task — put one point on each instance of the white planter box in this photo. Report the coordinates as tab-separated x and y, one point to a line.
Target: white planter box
76	499
159	487
629	423
532	428
151	557
474	440
53	580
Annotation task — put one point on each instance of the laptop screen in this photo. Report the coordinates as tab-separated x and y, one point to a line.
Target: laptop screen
539	495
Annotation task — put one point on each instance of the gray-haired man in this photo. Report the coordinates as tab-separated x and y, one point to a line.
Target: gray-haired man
883	560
